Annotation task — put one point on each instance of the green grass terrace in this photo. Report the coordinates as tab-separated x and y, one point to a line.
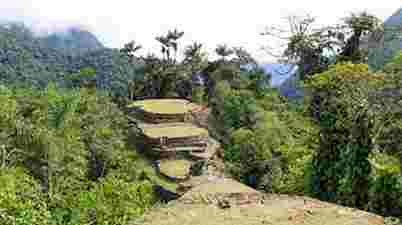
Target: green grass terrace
163	110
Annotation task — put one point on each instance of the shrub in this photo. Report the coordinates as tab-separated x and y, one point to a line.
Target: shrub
20	199
71	142
386	187
198	95
341	167
386	190
114	201
267	142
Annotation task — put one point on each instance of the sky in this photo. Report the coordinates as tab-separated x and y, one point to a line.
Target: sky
211	22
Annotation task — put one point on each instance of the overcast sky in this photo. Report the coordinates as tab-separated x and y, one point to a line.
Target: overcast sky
235	22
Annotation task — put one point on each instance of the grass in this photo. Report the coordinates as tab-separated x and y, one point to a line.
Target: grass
174	131
175	168
164	106
146	166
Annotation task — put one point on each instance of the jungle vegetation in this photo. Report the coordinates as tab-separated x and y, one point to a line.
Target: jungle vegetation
65	157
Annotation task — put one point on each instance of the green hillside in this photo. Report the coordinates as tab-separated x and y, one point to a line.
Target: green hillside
28	60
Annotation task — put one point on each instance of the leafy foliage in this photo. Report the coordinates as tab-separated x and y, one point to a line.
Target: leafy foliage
33	62
73	145
20	199
352	117
167	76
313	49
64	156
267	144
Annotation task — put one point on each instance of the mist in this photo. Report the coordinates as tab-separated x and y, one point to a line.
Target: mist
235	23
42	23
43	27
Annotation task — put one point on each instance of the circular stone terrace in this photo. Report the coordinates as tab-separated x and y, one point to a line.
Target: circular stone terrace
173	130
164	110
175	137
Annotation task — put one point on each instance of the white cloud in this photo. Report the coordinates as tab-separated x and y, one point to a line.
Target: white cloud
211	22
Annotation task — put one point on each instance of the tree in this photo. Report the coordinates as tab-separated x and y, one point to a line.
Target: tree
357	26
388	103
309	48
194	58
244	58
134	85
86	77
313	49
348	125
161	75
130	49
169	43
223	51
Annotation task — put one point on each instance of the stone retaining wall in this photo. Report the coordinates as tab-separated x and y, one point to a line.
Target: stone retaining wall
165	142
230	198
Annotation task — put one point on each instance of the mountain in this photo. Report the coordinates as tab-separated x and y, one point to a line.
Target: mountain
395	19
29	60
279	72
113	69
73	41
291	88
284	77
25	60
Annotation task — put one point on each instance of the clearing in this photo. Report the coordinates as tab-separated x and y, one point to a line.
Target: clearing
176	130
165	106
175	169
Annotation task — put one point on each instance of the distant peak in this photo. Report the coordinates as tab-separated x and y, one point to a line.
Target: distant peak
395	19
74	40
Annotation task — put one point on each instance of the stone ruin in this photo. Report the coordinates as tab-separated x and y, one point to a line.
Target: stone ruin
158	138
160	111
183	152
218	191
168	132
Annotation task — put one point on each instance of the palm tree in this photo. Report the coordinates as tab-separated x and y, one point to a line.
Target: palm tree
169	42
223	51
130	49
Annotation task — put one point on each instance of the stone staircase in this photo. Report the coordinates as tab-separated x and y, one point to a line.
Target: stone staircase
176	143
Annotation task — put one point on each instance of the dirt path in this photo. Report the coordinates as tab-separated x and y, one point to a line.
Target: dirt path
276	210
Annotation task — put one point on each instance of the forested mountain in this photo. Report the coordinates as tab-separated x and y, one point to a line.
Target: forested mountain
28	60
113	69
23	58
73	41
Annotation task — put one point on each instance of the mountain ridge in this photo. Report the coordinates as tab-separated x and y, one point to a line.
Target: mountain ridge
30	60
73	41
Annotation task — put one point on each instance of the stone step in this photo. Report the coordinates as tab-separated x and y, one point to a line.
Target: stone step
181	149
211	150
197	144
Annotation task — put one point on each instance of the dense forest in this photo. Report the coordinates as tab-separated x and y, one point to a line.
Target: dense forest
65	151
32	61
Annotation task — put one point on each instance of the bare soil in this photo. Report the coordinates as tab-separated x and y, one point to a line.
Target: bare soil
275	210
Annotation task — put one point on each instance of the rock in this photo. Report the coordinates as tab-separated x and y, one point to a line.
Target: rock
164	194
197	168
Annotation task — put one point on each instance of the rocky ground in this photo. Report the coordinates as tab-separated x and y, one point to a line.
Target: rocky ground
270	209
